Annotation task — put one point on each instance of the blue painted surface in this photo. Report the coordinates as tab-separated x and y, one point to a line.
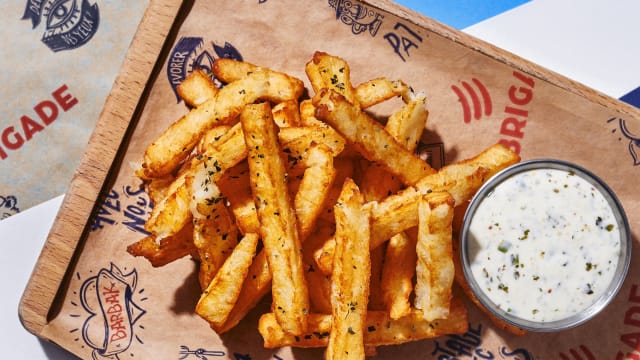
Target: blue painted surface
461	13
632	97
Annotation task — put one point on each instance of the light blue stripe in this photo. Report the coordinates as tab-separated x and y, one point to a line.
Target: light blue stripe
460	14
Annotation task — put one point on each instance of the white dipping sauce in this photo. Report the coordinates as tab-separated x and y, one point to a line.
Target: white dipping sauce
544	245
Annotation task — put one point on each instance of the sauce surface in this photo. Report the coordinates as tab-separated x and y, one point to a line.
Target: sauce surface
544	244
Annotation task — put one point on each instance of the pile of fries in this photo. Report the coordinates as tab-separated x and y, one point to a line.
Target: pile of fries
313	201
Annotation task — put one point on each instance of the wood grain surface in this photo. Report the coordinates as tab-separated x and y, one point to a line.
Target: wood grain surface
87	182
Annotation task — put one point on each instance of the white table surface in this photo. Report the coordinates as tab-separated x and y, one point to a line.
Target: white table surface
594	42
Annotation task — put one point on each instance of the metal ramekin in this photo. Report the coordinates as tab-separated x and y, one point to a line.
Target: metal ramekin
623	260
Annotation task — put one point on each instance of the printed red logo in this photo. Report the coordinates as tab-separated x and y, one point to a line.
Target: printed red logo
479	96
582	354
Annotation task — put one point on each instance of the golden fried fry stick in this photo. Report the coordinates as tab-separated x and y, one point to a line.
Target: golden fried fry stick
215	234
380	329
295	141
277	218
219	298
256	285
308	114
197	88
397	274
214	134
236	188
330	72
351	274
214	241
378	90
407	124
166	250
172	212
165	153
435	269
324	256
230	70
369	138
314	188
286	114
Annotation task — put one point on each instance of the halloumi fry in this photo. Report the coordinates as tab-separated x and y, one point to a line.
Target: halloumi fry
166	250
295	141
277	218
324	256
157	188
244	211
172	212
407	124
308	114
230	70
286	114
344	169
165	153
215	234
221	294
212	135
225	153
197	88
215	240
314	188
282	86
274	336
397	274
435	269
256	285
330	72
236	188
378	90
351	275
380	329
369	137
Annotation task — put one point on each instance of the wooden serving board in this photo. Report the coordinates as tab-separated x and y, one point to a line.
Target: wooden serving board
124	113
121	106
